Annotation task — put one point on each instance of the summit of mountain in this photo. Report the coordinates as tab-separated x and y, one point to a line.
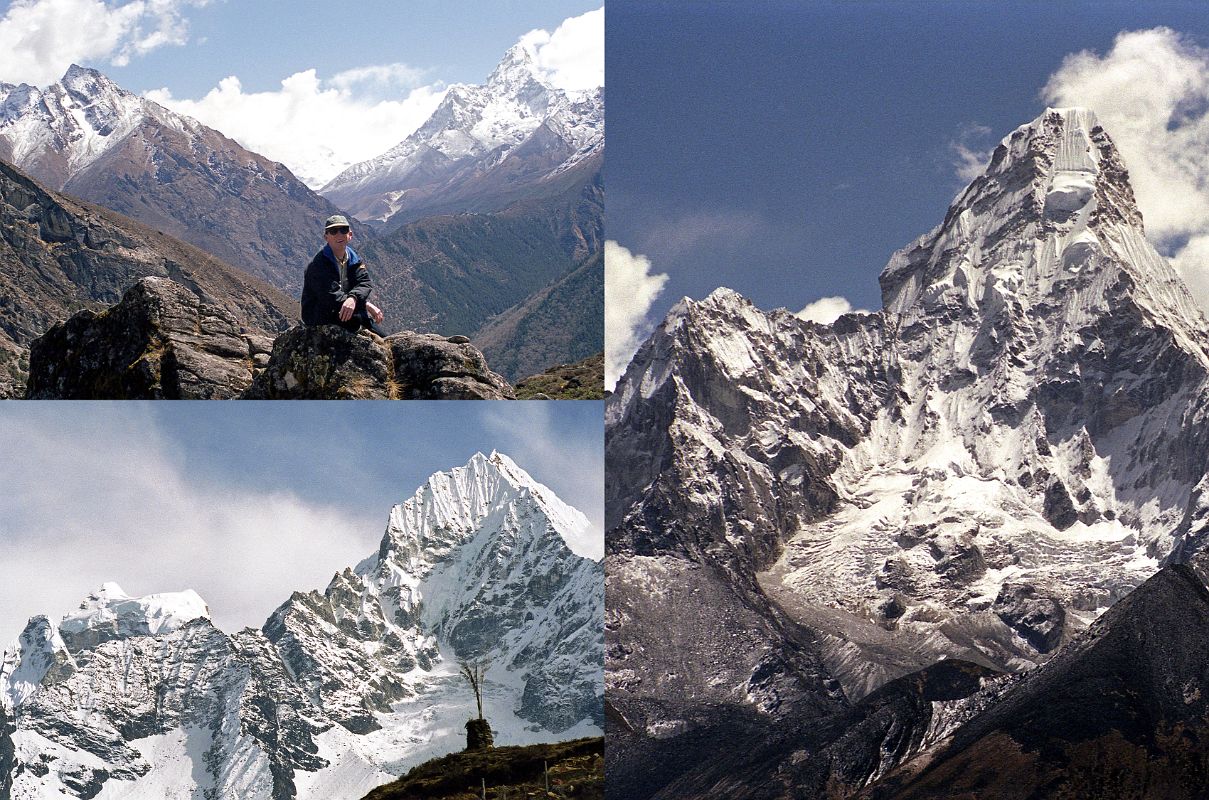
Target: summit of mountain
515	137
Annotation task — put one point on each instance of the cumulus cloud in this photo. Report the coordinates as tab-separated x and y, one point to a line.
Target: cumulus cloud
293	125
572	57
630	289
827	310
971	150
387	101
1151	93
40	39
109	500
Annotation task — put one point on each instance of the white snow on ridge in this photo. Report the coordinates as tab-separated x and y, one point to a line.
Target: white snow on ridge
152	614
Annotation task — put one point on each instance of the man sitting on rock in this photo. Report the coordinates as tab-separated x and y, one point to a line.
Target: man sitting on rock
336	288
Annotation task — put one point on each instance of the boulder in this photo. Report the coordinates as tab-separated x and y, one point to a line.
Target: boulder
160	341
328	362
325	362
432	367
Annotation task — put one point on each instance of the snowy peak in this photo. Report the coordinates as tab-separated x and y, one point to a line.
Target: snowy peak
452	505
38	654
1051	223
57	131
483	147
112	614
517	76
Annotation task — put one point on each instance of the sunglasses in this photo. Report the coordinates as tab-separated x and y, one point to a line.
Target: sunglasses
337	230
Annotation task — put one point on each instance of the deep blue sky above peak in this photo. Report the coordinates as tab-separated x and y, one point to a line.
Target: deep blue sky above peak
787	149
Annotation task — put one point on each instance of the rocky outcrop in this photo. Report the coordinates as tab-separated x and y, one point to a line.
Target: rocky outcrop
163	341
326	362
160	342
59	256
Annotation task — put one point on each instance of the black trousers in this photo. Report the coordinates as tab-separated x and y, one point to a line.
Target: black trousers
359	320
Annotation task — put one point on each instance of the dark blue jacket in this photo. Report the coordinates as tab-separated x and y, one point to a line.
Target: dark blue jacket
321	293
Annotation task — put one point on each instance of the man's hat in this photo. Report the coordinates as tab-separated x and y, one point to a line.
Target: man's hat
336	221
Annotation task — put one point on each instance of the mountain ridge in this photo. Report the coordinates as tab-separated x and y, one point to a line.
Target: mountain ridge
339	690
1014	443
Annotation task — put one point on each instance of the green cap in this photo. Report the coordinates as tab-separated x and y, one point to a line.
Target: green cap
336	221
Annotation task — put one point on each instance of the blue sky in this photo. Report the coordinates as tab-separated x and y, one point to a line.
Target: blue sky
786	149
244	502
317	86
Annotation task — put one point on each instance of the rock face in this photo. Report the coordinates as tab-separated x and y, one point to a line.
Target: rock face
92	139
326	362
1014	443
160	342
59	256
340	690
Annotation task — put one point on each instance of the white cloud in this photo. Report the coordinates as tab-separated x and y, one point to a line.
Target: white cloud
630	289
827	310
316	128
40	39
118	505
1151	93
382	104
972	159
573	56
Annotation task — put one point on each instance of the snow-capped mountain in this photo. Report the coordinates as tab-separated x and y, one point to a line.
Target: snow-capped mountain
92	139
483	147
340	690
1015	442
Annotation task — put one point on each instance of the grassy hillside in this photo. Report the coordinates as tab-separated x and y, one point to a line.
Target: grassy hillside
575	770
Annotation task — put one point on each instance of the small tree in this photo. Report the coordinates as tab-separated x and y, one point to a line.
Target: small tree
473	672
478	732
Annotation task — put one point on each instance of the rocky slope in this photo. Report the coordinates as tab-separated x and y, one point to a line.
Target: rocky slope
563	321
461	273
90	138
1014	443
485	147
340	690
59	255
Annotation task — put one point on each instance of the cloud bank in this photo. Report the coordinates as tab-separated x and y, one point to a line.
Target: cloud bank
572	57
108	500
388	101
40	39
1151	93
630	289
293	125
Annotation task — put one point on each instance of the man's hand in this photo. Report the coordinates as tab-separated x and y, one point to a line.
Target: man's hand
375	313
347	308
